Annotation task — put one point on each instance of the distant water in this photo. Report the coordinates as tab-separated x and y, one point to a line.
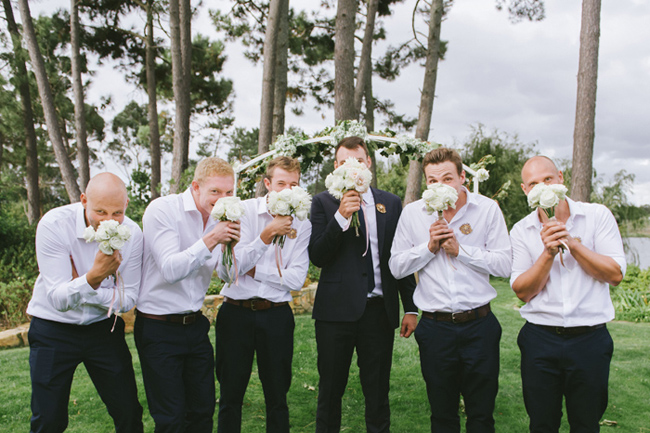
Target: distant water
637	251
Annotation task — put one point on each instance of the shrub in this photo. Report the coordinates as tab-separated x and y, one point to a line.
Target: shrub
632	297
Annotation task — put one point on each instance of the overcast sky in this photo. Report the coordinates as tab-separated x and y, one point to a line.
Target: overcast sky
517	78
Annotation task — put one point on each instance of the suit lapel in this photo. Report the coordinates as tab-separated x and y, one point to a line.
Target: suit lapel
381	219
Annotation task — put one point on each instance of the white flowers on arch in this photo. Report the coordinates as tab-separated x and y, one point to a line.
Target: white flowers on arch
388	144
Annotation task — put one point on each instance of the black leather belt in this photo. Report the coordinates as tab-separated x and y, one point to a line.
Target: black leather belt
375	300
572	330
459	317
255	304
180	319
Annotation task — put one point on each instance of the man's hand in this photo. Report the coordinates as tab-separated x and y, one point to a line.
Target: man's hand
552	232
409	323
280	226
451	246
350	203
223	233
439	232
103	266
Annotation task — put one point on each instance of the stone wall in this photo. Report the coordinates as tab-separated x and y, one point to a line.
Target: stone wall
302	303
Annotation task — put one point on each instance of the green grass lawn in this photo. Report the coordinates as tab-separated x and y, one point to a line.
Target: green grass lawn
629	402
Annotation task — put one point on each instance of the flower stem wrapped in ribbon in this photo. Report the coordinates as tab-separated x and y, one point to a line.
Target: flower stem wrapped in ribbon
546	197
228	209
352	175
439	197
290	201
111	236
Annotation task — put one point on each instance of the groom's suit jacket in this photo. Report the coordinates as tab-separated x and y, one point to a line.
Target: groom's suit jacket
342	289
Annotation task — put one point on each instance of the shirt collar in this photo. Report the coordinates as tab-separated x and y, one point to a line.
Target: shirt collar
80	223
367	197
575	209
188	201
261	205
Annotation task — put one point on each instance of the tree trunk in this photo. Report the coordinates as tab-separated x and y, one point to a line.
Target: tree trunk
47	100
281	67
181	50
584	131
268	76
78	90
365	63
154	132
414	180
370	124
346	12
31	160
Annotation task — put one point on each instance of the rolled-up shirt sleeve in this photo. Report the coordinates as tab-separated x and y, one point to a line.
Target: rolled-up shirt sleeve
165	244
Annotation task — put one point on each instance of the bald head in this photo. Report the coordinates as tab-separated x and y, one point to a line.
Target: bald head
105	198
539	169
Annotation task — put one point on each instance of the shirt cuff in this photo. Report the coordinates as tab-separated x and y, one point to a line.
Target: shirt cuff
200	250
415	313
81	286
425	252
343	222
465	253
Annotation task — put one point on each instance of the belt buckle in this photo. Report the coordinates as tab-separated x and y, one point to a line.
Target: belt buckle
188	319
253	301
454	316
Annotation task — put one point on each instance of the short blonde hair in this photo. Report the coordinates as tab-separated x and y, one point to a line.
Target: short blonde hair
212	166
285	163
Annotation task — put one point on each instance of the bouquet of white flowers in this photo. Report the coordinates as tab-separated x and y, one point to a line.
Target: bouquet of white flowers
546	197
111	236
439	197
352	175
290	201
228	209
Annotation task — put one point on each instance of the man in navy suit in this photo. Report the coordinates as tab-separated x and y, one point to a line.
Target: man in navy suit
357	301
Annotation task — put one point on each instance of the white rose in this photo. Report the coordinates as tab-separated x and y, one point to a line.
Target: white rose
302	214
124	232
560	190
105	247
116	243
482	175
89	234
101	234
282	208
534	195
548	199
219	210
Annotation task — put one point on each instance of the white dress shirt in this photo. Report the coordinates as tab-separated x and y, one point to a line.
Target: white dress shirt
570	297
452	284
59	297
368	205
251	252
177	265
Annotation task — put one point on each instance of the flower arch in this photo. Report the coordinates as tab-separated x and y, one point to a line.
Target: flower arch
312	150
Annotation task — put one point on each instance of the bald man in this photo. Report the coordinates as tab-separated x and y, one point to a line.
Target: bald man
72	297
565	346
